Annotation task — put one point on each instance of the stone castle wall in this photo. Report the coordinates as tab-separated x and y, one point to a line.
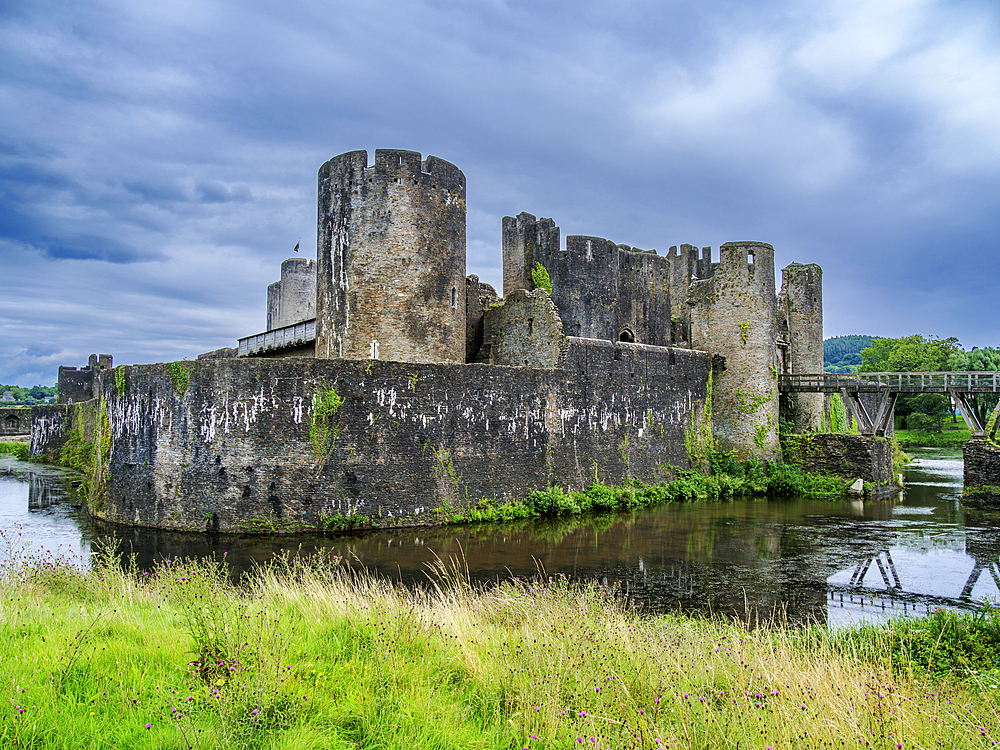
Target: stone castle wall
843	455
233	451
800	323
601	290
15	420
292	299
733	316
982	473
390	268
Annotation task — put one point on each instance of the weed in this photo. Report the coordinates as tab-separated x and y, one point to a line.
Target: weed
18	450
325	404
540	278
180	376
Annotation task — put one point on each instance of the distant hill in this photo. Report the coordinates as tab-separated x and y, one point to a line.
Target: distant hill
843	353
12	395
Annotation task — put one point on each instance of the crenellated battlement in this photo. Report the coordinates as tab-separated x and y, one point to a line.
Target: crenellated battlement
392	166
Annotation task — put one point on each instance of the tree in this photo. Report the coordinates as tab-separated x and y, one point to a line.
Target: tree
913	354
978	360
908	354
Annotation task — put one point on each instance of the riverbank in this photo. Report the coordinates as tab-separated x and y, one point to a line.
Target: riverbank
954	435
311	654
16	448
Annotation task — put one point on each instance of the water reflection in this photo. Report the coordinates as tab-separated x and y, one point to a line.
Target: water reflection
37	511
804	559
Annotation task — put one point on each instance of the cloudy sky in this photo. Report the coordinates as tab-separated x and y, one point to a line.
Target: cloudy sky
158	158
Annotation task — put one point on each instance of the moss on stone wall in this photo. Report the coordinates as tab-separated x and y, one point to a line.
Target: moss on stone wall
180	376
88	450
325	404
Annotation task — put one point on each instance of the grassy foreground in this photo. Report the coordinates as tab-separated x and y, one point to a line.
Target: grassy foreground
309	654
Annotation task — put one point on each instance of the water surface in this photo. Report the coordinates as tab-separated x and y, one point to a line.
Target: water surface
801	558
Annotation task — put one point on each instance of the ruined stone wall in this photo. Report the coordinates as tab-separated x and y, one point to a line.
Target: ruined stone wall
50	425
982	473
847	456
524	331
390	279
601	290
686	267
733	316
15	420
232	450
479	297
292	299
800	317
82	384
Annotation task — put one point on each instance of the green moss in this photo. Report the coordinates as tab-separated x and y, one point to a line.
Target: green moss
88	450
339	522
698	441
120	380
180	375
540	278
730	478
760	436
744	330
838	414
325	404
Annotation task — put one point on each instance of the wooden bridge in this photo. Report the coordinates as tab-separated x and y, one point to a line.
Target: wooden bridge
888	385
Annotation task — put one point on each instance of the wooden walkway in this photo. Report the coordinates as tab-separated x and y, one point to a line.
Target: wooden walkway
888	385
892	382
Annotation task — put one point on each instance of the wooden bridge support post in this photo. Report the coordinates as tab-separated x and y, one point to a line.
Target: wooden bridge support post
975	429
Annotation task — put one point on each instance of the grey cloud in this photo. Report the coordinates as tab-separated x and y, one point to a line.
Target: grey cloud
191	135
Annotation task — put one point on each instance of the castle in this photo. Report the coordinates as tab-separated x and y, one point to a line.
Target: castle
389	385
389	283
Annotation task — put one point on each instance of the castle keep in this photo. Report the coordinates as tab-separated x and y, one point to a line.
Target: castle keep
389	387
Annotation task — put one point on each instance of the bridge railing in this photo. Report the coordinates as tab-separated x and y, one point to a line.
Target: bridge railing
900	382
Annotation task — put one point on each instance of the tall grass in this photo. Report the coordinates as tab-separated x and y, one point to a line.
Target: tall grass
309	653
18	450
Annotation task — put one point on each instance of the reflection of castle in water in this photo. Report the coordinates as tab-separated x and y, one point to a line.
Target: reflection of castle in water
46	487
44	492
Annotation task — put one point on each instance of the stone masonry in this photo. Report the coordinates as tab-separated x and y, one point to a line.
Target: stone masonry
234	451
733	316
390	276
292	299
800	335
982	473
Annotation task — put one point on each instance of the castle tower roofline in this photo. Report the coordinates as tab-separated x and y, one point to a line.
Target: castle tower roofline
393	165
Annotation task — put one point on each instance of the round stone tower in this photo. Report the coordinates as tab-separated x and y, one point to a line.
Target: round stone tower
733	317
390	277
801	301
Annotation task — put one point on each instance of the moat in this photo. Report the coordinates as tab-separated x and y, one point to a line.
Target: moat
809	558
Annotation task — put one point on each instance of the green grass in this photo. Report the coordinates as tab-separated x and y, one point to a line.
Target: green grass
947	438
730	478
18	450
309	654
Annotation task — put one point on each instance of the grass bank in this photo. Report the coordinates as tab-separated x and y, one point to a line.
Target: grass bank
311	655
729	478
947	438
18	450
